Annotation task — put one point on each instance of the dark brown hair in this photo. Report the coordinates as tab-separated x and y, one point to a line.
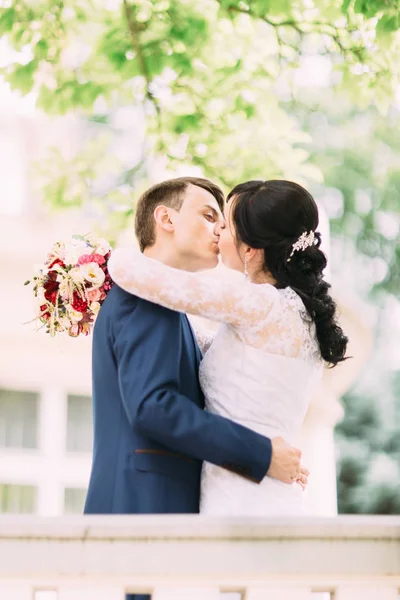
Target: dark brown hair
272	215
169	193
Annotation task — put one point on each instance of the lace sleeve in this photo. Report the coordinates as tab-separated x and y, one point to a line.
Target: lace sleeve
195	293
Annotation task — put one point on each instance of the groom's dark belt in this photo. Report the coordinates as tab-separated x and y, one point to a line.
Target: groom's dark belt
238	469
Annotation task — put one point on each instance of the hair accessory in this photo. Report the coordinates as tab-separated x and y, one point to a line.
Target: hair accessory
305	241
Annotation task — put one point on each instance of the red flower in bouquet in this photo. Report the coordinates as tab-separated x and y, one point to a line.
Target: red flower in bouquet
51	287
45	313
72	284
78	303
56	261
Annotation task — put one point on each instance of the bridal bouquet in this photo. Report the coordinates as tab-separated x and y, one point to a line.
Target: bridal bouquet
72	284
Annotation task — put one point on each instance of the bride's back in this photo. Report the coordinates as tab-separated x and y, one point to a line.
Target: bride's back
264	376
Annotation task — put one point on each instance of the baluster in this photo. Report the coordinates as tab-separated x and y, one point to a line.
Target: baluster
91	592
281	592
197	593
366	591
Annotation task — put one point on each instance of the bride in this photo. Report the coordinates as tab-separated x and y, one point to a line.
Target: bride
278	327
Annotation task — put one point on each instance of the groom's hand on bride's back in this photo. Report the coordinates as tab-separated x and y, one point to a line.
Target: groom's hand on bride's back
286	463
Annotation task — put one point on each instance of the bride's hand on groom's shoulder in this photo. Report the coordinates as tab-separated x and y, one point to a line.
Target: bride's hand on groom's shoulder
285	463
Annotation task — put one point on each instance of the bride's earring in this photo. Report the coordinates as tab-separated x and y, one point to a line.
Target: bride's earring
246	268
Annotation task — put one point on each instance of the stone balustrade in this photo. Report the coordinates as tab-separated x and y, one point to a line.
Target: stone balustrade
189	557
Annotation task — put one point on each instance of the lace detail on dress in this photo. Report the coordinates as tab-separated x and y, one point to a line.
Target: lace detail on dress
204	337
263	316
268	393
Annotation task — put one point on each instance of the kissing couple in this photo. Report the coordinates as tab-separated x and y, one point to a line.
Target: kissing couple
187	422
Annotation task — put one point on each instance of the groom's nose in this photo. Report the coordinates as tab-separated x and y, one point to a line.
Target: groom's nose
218	226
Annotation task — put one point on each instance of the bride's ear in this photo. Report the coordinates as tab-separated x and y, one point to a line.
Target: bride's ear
163	218
250	253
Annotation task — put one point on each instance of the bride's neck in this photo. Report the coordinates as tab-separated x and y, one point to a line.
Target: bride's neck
262	277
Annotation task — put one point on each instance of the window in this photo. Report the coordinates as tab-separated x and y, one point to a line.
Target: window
17	498
45	595
74	501
79	424
18	419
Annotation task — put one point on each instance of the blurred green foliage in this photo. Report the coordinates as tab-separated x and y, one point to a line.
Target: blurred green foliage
369	442
359	155
205	73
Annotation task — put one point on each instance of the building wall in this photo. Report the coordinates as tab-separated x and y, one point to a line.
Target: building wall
45	411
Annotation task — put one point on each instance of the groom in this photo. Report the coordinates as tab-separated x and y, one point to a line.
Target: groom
151	433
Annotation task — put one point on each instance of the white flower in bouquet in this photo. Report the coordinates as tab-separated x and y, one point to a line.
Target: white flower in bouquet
95	307
58	268
93	273
77	275
65	288
73	315
65	323
74	250
102	247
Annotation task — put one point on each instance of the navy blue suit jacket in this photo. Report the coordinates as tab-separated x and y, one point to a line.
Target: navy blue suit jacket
151	433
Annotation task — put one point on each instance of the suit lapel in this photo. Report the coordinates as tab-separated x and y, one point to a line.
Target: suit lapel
194	340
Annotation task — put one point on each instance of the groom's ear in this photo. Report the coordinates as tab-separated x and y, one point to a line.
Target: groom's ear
163	218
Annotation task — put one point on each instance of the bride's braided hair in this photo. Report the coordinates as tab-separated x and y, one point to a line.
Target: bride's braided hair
272	215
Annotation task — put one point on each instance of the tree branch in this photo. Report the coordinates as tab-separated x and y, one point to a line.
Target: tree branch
134	33
320	27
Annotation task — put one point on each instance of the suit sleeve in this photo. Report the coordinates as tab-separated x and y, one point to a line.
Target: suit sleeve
147	347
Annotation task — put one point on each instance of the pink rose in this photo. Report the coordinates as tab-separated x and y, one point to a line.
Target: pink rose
93	295
88	258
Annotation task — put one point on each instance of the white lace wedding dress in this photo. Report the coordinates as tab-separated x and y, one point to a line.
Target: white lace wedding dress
260	370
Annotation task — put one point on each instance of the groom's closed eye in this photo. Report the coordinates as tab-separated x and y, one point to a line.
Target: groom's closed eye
211	215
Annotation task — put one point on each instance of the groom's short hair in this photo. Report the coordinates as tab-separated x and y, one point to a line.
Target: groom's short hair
169	193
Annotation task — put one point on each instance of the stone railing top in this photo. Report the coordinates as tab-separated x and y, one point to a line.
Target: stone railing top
187	527
231	552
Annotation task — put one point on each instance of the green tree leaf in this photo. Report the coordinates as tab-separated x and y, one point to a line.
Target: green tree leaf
7	20
22	78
